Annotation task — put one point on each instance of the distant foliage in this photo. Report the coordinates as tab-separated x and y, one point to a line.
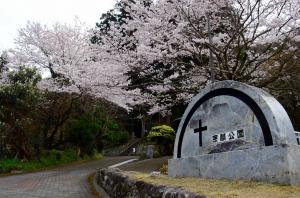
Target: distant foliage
114	135
82	133
33	121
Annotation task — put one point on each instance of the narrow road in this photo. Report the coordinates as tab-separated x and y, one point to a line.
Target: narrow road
65	182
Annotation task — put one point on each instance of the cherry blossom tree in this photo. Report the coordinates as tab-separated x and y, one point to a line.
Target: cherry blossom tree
69	61
166	44
61	49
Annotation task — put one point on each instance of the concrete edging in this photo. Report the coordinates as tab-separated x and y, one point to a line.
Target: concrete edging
101	192
117	184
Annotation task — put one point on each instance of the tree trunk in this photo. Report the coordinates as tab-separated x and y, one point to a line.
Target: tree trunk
143	132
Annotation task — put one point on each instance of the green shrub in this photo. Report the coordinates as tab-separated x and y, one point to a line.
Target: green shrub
96	155
47	159
54	157
161	135
164	136
9	165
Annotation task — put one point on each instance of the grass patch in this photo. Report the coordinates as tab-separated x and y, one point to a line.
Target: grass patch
222	188
48	159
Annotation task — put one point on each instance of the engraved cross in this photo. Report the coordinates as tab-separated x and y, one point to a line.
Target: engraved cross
200	130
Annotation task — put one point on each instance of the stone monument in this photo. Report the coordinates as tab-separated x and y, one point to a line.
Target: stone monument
235	131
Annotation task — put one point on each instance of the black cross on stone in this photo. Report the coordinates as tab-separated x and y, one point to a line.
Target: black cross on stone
200	130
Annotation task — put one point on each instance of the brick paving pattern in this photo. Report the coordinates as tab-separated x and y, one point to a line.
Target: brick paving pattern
65	182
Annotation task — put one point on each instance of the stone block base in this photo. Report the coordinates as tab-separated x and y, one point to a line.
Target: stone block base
275	164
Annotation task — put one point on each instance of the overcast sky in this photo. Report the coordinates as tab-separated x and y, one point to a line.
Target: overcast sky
14	14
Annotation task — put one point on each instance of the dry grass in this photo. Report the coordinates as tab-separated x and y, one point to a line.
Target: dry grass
223	188
90	180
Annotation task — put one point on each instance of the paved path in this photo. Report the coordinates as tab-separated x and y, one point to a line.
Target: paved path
66	182
146	166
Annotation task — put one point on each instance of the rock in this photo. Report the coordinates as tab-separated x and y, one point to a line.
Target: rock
155	174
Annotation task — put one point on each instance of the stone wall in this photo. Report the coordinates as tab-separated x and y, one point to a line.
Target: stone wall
117	185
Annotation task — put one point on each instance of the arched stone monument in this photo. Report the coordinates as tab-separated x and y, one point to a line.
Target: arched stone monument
231	130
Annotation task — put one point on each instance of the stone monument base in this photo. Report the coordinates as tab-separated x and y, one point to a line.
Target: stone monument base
275	164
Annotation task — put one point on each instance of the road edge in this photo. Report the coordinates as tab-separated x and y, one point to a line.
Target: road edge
99	190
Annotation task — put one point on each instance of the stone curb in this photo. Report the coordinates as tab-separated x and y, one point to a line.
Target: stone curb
101	192
116	184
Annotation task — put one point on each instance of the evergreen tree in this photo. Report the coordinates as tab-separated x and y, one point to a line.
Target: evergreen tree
19	98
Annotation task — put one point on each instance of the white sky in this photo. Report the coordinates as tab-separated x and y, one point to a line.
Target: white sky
14	14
